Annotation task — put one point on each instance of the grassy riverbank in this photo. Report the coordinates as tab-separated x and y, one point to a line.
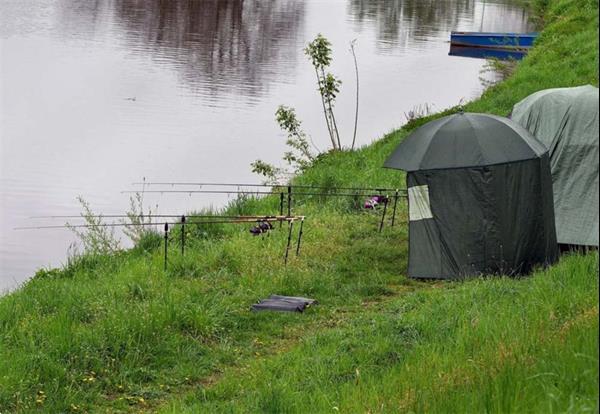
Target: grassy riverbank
120	334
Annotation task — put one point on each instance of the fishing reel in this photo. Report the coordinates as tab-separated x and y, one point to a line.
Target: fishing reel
373	202
261	228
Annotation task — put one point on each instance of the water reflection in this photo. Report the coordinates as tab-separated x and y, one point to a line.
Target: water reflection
217	46
402	21
404	24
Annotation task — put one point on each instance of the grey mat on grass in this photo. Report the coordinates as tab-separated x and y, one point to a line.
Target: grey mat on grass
284	304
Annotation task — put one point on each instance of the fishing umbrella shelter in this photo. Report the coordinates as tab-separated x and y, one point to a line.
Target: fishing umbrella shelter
565	120
480	198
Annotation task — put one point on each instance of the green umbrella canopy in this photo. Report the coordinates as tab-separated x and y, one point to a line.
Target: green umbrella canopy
465	140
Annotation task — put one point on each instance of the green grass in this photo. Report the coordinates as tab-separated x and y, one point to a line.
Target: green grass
119	334
120	331
496	345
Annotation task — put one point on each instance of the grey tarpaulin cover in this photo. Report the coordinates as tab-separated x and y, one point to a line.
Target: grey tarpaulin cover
480	198
566	121
283	304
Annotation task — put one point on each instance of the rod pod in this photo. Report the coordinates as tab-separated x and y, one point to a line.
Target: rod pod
289	240
299	238
385	203
182	235
289	200
281	207
166	243
394	210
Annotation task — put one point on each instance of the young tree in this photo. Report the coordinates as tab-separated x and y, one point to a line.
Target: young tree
319	53
300	156
353	51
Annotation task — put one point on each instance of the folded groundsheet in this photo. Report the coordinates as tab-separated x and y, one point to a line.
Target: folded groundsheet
283	304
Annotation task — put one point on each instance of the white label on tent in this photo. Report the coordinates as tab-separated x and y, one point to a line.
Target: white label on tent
418	203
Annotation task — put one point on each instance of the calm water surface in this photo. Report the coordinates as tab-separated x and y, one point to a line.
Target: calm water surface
95	95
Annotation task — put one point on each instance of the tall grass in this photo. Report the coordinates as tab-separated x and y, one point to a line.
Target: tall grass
487	345
118	333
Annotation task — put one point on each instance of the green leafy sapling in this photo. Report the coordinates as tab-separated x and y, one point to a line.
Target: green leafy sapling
353	51
270	172
319	53
300	155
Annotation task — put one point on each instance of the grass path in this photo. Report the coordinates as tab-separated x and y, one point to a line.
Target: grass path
288	340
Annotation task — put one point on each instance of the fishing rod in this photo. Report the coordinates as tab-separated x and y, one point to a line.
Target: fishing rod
76	226
231	221
147	216
248	192
173	184
200	191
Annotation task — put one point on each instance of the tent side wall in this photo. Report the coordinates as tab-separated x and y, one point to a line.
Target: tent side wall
566	120
575	176
525	232
484	220
450	244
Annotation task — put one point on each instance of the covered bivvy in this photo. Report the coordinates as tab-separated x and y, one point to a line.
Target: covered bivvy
565	120
480	198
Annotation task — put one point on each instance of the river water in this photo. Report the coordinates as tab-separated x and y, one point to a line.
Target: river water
95	95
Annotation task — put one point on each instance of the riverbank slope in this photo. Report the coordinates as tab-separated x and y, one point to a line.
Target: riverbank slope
117	333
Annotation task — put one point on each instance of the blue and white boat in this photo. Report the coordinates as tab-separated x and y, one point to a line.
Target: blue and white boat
492	40
487	53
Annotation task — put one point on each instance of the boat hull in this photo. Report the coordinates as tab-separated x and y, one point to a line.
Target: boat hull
505	41
487	53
